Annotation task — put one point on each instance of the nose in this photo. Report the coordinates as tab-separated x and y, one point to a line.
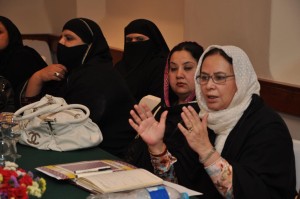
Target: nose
180	73
210	84
62	41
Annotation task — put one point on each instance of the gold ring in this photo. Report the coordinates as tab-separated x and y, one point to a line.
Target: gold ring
190	129
56	74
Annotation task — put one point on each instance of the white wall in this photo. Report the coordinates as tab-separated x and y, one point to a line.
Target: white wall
30	16
168	15
285	41
293	124
39	16
92	9
233	22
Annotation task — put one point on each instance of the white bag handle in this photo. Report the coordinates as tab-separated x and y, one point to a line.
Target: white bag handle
52	108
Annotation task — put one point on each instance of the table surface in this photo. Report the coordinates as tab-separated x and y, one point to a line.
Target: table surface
58	189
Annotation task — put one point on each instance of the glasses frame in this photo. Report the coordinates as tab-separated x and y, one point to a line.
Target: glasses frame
212	78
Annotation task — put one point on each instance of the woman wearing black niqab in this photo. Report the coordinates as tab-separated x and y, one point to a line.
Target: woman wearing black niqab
17	62
86	76
143	62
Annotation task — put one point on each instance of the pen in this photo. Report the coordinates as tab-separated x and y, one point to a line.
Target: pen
79	175
93	170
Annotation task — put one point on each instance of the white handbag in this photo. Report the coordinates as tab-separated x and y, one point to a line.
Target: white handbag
52	124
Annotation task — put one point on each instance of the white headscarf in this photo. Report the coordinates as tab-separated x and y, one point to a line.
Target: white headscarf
223	121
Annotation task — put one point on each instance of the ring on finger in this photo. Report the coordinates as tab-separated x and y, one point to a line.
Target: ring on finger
190	129
56	74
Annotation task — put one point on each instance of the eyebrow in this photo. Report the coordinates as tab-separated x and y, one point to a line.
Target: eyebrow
68	35
214	72
187	62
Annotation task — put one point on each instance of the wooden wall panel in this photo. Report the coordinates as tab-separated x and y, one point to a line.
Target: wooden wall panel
280	96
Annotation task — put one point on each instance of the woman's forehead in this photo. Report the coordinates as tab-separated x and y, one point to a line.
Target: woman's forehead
216	63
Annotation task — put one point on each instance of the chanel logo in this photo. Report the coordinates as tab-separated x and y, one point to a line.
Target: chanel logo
33	138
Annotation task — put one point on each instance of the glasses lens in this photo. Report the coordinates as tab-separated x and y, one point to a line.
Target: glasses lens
203	78
219	78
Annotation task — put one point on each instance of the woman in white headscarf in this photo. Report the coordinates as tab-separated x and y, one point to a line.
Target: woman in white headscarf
252	155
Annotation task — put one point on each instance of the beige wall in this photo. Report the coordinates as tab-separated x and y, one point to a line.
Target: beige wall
92	9
168	15
285	41
30	16
236	22
39	16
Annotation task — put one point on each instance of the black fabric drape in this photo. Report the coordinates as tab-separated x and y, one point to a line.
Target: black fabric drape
260	149
18	62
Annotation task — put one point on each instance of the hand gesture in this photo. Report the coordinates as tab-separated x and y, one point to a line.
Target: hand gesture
196	132
52	72
151	131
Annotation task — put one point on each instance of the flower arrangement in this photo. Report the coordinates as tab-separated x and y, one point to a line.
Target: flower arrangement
15	183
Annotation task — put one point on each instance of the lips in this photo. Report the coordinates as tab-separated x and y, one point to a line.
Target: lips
180	84
211	98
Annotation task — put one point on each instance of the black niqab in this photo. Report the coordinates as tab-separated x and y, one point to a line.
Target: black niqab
143	63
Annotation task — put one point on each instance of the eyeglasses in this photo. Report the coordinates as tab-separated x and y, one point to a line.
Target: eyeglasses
218	78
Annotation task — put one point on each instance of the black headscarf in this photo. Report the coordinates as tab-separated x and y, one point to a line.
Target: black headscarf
15	40
18	62
143	63
148	28
90	33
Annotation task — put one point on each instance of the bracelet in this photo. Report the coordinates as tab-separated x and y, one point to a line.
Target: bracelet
211	152
161	154
213	162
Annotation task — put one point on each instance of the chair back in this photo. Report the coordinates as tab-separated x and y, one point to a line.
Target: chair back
296	144
41	47
151	101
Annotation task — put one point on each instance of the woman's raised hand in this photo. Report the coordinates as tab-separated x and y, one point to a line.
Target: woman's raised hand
196	131
143	121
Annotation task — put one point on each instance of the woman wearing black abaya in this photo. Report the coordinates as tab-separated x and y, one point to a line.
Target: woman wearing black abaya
17	62
144	58
179	91
86	76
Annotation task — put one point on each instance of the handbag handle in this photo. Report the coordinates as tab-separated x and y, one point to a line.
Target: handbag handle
54	108
45	105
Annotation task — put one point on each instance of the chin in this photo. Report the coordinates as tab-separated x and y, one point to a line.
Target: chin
213	108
